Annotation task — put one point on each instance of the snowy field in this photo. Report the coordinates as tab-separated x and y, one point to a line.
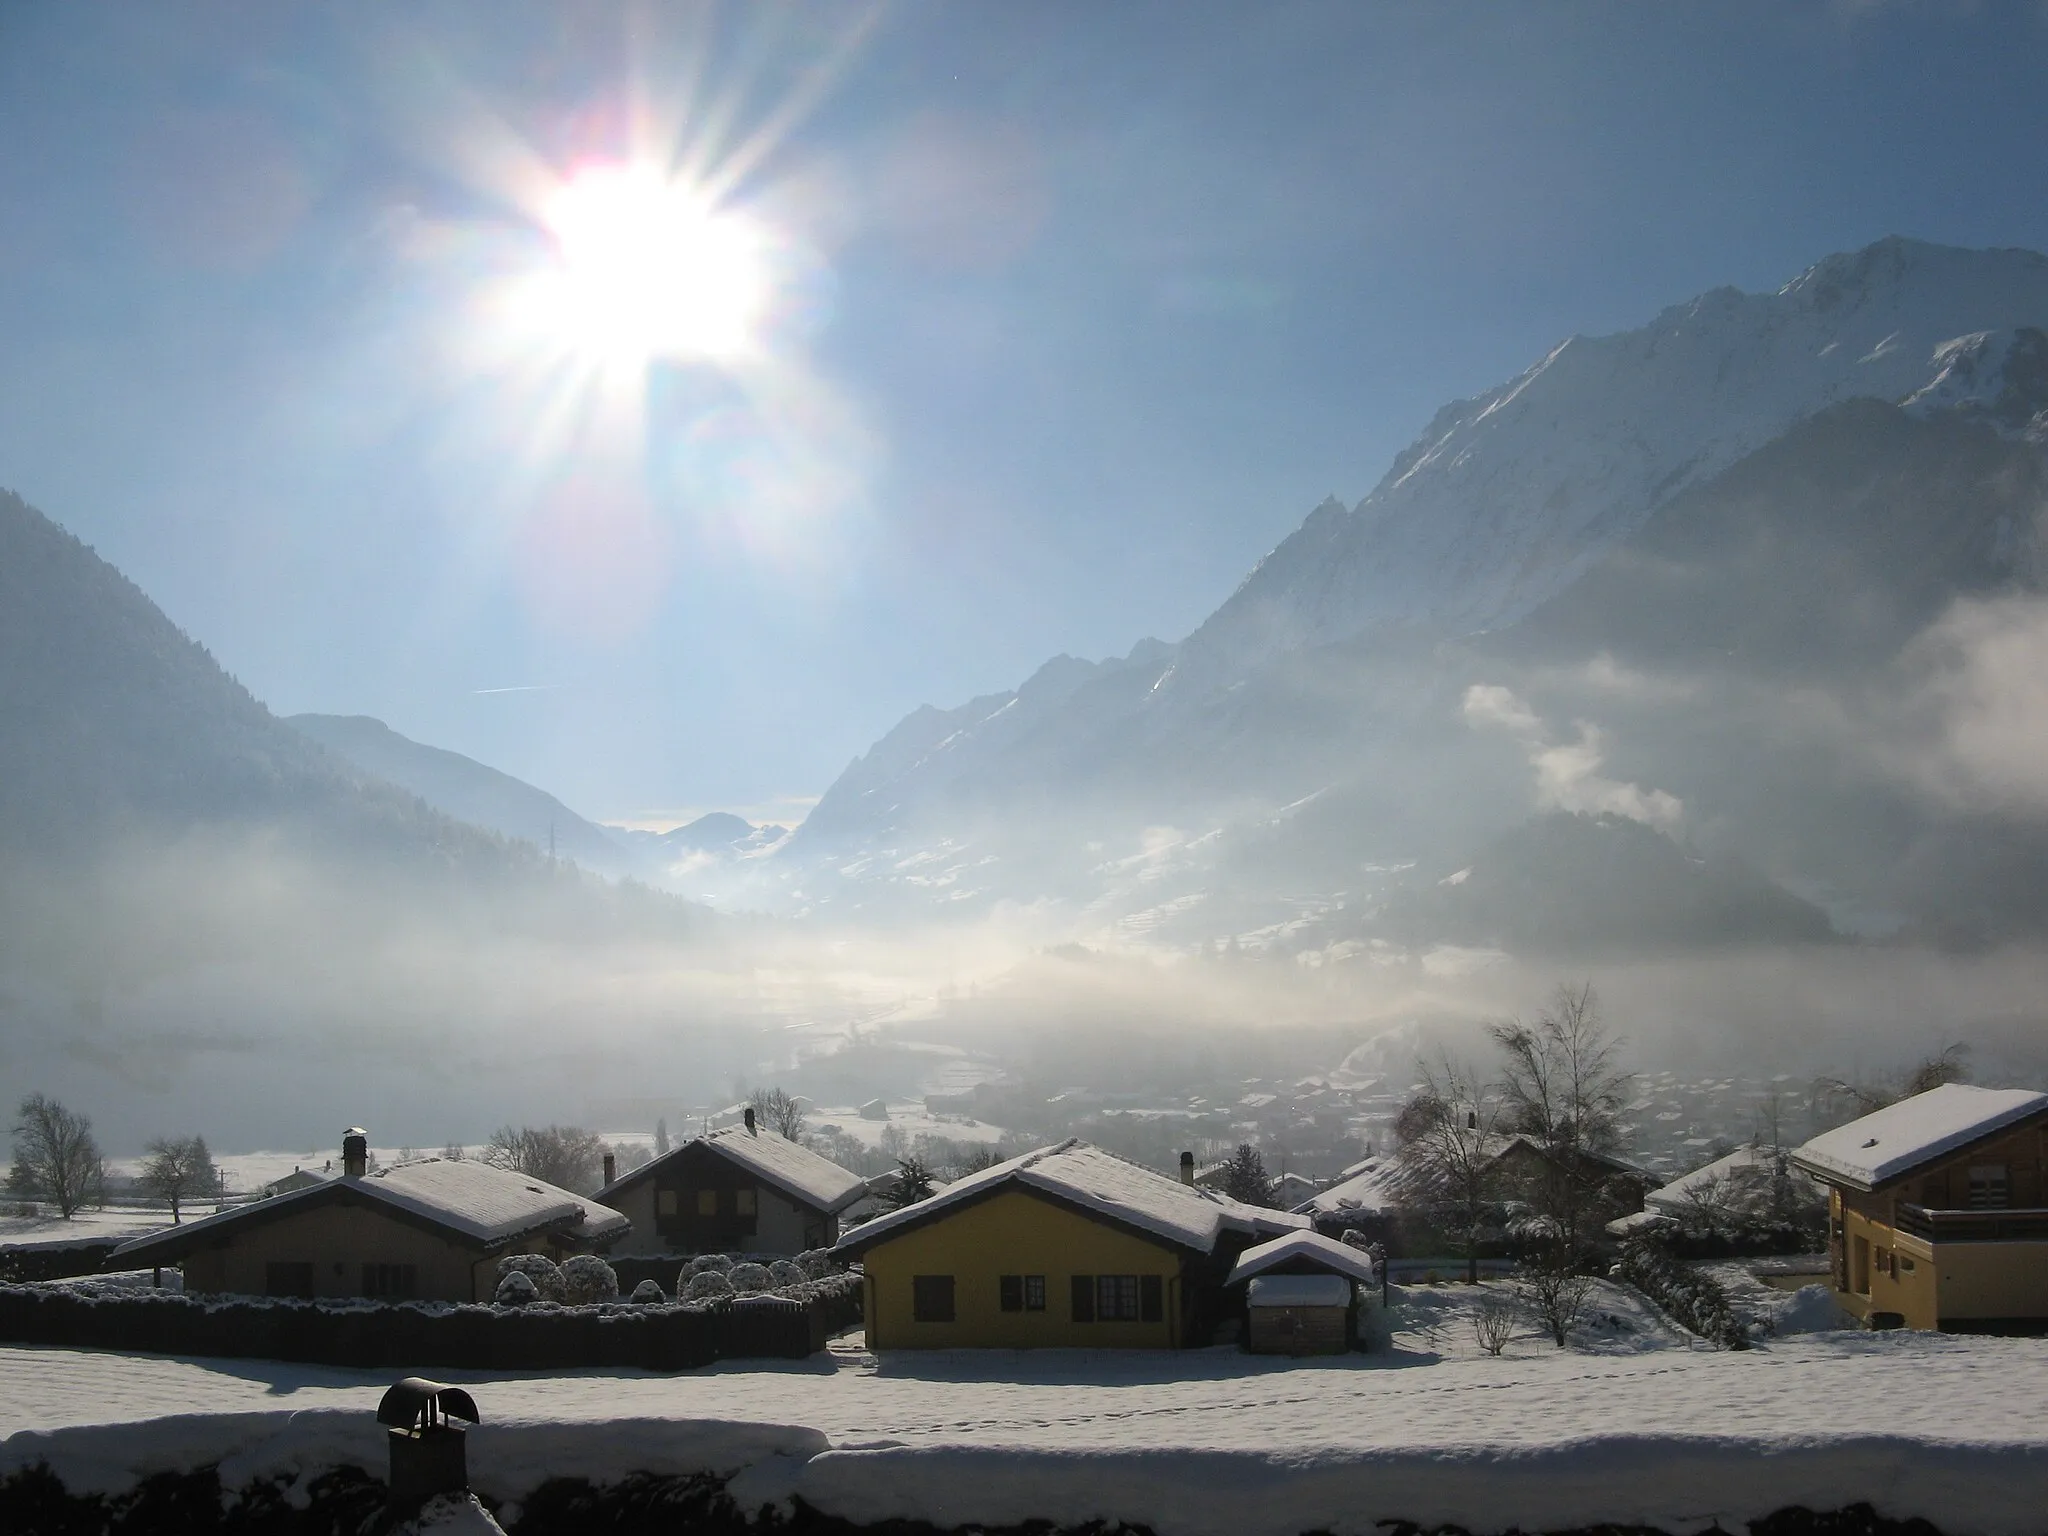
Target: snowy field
1637	1424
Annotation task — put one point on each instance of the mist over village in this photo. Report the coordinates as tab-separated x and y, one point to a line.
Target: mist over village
931	769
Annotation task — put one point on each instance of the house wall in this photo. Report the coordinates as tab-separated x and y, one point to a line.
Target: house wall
1015	1233
337	1240
1895	1270
1946	1185
1931	1285
779	1225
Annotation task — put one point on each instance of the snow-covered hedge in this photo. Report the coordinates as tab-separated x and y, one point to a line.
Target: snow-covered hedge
537	1267
587	1280
354	1331
705	1285
1693	1299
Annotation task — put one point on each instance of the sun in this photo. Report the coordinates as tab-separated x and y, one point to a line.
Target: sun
647	268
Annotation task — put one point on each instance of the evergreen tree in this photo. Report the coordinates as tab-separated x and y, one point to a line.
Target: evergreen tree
1244	1176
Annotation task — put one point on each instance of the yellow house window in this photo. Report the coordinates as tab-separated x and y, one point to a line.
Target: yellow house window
1119	1298
931	1298
1021	1293
745	1201
664	1202
707	1202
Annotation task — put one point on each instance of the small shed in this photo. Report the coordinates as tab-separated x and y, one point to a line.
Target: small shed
1300	1315
1301	1294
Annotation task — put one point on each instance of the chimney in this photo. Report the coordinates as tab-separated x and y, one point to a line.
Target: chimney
1187	1168
750	1121
611	1170
355	1152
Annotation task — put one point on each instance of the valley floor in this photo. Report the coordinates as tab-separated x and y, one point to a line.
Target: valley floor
1639	1424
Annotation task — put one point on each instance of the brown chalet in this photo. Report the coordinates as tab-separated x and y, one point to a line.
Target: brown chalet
737	1190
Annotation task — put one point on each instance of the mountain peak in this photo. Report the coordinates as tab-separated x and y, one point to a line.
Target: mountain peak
1508	495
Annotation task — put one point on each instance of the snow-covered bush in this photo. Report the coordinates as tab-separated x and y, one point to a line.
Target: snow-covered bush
783	1273
516	1289
708	1263
750	1277
649	1294
707	1286
817	1263
537	1267
588	1280
1693	1300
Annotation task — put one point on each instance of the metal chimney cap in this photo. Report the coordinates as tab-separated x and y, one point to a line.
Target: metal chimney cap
415	1402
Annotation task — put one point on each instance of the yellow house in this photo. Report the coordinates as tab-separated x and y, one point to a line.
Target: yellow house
1066	1246
1938	1209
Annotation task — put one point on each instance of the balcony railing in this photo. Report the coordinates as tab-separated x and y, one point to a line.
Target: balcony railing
2005	1226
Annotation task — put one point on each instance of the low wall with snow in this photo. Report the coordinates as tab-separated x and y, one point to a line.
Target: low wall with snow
256	1473
667	1337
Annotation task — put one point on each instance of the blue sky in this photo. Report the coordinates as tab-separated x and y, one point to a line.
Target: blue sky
1080	309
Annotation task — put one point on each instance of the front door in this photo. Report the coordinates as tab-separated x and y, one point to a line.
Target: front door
1859	1266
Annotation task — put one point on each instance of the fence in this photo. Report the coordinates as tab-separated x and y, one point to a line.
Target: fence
671	1337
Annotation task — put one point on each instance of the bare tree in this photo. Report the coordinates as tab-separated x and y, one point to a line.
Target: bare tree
1839	1098
1563	1088
1449	1140
1708	1204
779	1111
177	1169
1554	1292
55	1156
563	1155
1493	1322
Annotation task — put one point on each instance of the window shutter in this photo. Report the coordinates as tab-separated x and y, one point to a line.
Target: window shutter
1151	1299
1012	1292
1084	1298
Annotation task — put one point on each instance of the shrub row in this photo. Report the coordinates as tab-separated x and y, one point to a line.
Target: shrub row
1696	1300
669	1337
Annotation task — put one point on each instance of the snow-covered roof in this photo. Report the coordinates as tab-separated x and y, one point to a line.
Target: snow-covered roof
775	1160
1086	1176
1640	1221
1299	1291
1376	1184
1313	1247
1744	1165
1895	1140
473	1200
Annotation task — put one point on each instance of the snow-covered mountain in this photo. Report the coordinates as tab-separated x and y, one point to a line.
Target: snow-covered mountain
1329	664
471	791
1507	496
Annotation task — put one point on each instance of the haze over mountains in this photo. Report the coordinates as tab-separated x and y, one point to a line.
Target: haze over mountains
1716	640
1691	574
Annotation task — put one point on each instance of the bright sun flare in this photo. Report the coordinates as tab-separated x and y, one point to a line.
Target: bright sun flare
650	270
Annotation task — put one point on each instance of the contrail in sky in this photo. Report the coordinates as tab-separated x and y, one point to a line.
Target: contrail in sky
519	688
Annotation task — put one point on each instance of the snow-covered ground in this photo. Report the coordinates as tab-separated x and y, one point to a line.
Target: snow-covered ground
1638	1424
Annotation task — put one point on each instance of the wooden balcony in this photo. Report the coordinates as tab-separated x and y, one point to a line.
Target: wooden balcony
2001	1226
